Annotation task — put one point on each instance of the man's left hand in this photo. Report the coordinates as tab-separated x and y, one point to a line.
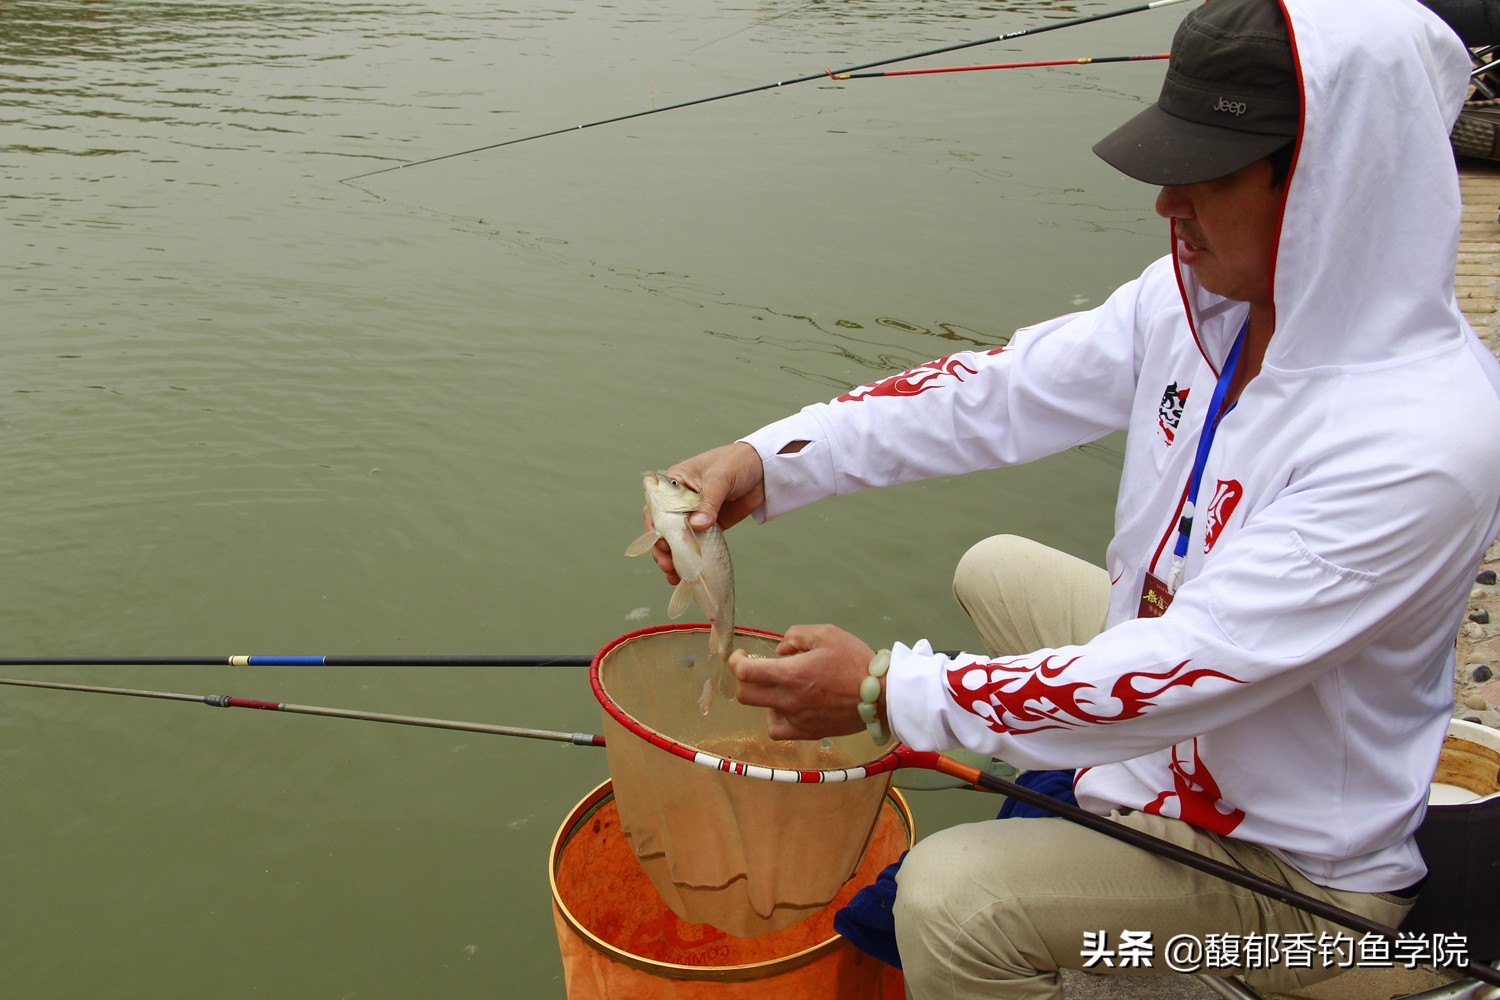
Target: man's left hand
812	684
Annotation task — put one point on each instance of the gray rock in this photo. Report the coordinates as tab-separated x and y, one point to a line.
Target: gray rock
1482	673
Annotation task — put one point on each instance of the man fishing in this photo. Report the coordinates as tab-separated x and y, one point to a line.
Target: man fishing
1262	669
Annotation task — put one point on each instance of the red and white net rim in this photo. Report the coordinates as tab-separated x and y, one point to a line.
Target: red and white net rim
898	756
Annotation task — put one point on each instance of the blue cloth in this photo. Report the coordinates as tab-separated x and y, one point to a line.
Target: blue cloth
869	920
1053	784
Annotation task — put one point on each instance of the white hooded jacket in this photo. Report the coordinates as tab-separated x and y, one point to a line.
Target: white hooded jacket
1296	691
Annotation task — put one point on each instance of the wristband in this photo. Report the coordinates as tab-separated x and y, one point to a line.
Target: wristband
869	698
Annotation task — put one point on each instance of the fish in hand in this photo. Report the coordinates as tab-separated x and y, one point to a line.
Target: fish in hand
702	562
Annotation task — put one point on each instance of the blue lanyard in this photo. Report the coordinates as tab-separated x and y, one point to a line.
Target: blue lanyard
1205	443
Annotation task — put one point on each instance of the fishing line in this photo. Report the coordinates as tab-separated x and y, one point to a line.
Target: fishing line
754	24
1021	33
416	660
228	701
1084	61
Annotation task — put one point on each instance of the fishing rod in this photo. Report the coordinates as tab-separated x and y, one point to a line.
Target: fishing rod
902	756
228	701
1084	61
415	660
1008	36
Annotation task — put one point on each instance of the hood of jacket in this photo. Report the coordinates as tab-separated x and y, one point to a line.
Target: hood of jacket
1342	284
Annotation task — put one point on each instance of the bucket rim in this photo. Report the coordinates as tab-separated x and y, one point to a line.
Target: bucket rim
713	973
1476	735
1474	732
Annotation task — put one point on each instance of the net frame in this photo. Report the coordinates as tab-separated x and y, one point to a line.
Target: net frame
748	858
899	756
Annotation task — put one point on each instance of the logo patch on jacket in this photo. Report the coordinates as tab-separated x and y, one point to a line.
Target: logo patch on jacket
1226	498
944	372
1169	413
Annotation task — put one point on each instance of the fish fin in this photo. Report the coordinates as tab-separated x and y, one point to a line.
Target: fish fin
706	696
682	596
643	544
705	598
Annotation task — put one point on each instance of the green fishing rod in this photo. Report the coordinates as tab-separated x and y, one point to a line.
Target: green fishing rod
822	75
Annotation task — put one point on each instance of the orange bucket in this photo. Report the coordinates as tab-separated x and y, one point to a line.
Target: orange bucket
620	941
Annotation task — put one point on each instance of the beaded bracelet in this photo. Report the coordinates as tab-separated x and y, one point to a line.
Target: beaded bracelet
869	698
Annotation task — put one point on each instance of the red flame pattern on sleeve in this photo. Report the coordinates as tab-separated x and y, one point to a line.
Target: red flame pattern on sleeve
1013	696
945	371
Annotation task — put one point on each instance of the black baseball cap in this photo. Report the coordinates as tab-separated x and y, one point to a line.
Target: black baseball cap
1229	99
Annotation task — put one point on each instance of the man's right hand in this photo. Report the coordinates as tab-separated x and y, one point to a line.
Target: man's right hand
730	481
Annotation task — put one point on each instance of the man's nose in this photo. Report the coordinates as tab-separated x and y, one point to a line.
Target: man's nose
1172	203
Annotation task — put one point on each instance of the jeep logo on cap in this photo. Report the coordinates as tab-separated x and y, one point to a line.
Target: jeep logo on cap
1235	108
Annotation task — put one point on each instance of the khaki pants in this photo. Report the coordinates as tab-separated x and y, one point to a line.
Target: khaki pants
995	909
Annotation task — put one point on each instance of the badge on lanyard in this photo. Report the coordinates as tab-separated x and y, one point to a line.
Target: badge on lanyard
1155	598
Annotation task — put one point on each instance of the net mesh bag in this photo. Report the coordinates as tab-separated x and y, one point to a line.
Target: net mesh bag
747	856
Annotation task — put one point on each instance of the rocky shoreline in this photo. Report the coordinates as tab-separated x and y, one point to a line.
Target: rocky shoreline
1476	684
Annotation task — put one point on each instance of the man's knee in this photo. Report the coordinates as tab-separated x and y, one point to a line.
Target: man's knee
926	926
955	918
921	896
974	577
1022	595
955	874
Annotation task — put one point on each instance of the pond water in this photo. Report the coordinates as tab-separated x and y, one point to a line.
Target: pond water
248	408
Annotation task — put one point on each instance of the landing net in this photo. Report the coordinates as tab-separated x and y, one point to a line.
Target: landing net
748	857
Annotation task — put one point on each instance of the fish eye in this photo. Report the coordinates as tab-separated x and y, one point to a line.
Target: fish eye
673	481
